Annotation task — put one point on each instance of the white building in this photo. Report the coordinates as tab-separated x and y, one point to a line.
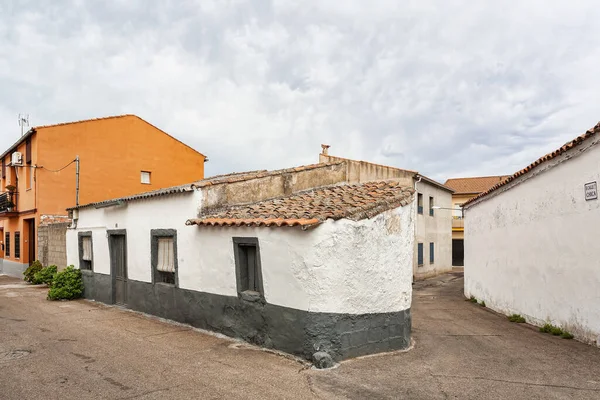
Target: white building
531	243
298	259
433	212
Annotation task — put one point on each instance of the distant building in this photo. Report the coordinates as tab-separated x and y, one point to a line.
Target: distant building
118	156
531	241
464	190
298	259
433	216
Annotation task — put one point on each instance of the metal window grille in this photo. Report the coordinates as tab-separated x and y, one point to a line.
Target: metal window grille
249	270
17	244
7	244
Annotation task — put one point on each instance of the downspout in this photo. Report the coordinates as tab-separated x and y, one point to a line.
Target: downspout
416	216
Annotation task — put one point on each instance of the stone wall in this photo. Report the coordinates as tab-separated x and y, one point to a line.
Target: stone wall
52	240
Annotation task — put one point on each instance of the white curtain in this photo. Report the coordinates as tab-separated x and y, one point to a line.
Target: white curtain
166	255
87	249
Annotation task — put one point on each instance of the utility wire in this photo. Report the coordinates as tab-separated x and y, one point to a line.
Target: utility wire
58	170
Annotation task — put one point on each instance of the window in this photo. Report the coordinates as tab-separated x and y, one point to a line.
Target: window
457	213
420	254
431	206
86	251
431	253
7	244
28	151
164	255
248	268
29	171
3	168
420	203
145	177
17	244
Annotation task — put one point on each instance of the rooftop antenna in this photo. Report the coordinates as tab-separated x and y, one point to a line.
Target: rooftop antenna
23	120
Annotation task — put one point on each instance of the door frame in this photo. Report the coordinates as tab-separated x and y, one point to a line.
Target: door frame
31	239
113	276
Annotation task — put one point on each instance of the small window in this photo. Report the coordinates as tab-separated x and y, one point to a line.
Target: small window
420	254
431	206
28	151
248	268
420	203
7	244
17	244
431	253
86	251
164	255
3	169
145	177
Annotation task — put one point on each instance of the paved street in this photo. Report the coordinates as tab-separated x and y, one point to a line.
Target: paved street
84	350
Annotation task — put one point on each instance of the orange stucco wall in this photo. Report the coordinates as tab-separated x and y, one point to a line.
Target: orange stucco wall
112	152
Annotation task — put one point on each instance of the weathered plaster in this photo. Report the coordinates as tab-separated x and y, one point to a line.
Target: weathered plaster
532	250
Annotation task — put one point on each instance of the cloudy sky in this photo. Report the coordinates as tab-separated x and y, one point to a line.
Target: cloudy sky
448	88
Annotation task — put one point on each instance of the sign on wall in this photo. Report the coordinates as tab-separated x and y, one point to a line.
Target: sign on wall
591	191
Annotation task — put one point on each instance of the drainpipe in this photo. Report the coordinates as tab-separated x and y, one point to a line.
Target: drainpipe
76	181
416	219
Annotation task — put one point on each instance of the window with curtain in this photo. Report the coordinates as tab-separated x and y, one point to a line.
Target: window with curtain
164	255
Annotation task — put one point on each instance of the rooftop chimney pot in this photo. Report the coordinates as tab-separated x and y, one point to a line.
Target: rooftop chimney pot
325	148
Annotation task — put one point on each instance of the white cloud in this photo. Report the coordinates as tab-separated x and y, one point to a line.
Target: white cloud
447	88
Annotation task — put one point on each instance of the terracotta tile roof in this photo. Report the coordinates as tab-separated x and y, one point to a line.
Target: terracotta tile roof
474	185
564	148
312	207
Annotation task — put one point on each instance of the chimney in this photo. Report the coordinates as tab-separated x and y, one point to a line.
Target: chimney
325	148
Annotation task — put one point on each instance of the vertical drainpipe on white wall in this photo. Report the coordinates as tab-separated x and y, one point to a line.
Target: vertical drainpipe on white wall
416	216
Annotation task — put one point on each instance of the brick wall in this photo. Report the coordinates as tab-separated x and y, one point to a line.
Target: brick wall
52	240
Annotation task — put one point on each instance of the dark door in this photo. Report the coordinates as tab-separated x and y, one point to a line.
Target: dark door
458	252
118	266
31	240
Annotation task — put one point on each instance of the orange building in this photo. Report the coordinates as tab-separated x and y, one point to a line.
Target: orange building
117	156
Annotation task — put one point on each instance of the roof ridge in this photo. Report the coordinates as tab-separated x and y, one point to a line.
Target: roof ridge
84	120
477	177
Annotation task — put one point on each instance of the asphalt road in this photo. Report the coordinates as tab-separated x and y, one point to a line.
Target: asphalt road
85	350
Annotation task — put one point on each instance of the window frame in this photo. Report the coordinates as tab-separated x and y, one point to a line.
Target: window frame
149	177
420	255
80	237
431	204
28	151
420	203
246	294
7	244
431	252
17	245
156	234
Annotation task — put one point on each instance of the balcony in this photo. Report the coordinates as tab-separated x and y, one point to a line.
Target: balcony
8	203
458	223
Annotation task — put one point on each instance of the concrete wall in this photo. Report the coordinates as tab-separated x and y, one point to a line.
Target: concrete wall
271	186
531	247
362	171
436	229
52	244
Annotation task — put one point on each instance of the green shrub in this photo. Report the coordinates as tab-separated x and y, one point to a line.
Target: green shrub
472	299
547	328
46	275
30	272
556	331
66	285
567	335
516	318
482	303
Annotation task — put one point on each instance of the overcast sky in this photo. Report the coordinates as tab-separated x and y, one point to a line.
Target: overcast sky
448	88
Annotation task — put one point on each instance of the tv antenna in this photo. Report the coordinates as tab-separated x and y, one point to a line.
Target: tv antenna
23	121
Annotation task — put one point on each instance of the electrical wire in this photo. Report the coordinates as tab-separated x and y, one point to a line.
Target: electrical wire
58	170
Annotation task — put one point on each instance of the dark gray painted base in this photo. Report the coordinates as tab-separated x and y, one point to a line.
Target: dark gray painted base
293	331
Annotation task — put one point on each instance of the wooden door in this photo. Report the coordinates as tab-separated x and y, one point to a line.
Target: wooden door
31	240
118	261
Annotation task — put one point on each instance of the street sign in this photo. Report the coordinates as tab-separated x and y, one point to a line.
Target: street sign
591	191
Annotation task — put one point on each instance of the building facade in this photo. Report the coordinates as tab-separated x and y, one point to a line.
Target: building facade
530	245
464	190
432	214
117	156
297	259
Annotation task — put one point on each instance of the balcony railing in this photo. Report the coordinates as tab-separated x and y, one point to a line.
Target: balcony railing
458	223
8	202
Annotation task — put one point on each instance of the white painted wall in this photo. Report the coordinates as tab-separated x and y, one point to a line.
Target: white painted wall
533	250
436	229
341	266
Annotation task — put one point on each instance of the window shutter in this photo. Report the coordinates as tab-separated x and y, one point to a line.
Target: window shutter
28	151
420	254
87	249
3	168
431	253
166	255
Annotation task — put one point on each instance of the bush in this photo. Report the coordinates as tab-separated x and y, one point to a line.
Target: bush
556	331
547	328
67	285
46	275
32	270
472	299
567	335
516	318
482	303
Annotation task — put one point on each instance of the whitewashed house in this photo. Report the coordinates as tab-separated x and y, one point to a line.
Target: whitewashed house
531	243
297	259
